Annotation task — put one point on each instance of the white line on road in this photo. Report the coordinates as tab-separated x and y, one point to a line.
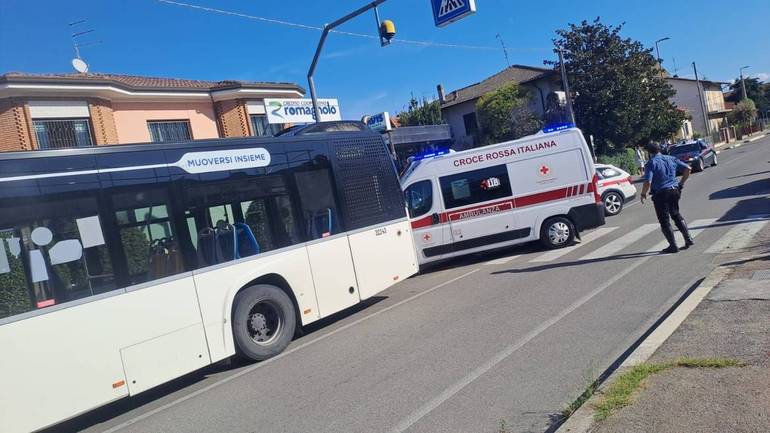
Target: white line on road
282	355
736	238
621	243
698	227
555	254
456	387
502	260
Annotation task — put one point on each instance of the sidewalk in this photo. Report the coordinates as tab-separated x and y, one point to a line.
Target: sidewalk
713	373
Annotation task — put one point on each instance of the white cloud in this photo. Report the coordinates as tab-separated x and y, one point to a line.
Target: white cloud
764	76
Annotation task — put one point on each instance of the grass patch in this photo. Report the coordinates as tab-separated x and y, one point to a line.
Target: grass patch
619	393
584	397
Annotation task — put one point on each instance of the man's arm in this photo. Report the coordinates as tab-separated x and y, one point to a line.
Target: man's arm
647	180
645	191
686	170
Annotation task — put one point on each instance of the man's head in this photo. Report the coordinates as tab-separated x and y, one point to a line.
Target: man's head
653	148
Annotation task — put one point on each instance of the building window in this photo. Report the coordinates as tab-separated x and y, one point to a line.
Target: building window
62	133
471	127
260	127
169	130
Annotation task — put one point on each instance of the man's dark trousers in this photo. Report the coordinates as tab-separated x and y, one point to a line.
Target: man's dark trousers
667	205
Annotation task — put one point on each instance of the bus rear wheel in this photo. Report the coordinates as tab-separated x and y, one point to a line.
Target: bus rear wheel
263	321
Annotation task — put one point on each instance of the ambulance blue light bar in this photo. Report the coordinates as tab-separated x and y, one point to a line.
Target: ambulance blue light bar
433	154
558	127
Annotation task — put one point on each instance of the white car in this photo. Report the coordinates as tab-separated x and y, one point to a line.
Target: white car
615	188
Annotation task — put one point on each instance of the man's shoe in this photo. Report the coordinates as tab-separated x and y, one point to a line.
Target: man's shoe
687	244
672	249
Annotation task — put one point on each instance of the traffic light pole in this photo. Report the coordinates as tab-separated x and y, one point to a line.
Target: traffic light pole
324	34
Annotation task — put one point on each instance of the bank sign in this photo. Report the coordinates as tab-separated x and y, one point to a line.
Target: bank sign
448	11
300	110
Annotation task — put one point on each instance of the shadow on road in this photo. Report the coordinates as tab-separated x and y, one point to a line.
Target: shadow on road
755	187
750	174
747	208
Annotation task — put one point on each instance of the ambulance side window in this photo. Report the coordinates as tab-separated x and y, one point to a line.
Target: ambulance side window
419	198
475	186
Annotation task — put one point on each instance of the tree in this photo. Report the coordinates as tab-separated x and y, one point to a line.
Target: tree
503	115
755	90
421	113
744	113
620	97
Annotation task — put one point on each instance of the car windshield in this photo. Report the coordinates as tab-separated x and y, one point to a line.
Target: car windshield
685	148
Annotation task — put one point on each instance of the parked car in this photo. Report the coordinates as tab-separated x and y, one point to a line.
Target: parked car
696	153
615	188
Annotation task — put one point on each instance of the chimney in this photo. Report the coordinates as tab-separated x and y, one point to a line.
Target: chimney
440	90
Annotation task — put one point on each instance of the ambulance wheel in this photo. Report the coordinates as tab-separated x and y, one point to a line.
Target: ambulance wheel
263	321
613	203
557	232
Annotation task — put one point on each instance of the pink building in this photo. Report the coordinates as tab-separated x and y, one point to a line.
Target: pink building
50	111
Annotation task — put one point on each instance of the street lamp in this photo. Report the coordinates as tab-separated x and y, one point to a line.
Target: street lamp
565	84
657	51
743	83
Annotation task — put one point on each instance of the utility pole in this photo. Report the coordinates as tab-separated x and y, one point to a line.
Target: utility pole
565	83
743	84
505	50
702	101
657	51
324	34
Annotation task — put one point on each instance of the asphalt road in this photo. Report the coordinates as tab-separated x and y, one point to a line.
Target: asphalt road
472	341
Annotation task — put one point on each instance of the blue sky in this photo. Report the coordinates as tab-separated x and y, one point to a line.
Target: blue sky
147	37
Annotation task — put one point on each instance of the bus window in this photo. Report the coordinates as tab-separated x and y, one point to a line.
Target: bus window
319	208
52	252
239	218
147	235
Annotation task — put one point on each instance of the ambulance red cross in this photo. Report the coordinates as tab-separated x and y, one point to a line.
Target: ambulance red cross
539	187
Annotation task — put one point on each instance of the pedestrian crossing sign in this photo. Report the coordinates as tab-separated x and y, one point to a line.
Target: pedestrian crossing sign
448	11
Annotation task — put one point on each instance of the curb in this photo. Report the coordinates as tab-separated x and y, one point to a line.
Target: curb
582	419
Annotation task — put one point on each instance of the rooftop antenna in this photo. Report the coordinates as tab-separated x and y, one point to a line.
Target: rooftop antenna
78	63
676	69
505	50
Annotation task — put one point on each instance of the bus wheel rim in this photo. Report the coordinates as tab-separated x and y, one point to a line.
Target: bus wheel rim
265	322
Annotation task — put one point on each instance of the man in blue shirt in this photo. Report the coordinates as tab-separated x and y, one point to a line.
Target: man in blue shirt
660	177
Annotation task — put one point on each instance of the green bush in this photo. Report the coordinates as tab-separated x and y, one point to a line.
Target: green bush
624	160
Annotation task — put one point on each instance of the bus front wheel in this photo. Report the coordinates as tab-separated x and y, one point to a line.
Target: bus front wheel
263	321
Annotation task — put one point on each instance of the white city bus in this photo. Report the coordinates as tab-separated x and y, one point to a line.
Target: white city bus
124	267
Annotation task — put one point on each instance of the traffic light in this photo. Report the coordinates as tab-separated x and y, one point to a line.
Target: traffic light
387	32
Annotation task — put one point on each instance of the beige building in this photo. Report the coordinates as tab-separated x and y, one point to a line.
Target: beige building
687	98
51	111
458	108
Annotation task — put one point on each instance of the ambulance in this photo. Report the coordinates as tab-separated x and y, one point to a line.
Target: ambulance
541	187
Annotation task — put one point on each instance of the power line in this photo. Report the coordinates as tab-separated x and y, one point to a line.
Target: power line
341	32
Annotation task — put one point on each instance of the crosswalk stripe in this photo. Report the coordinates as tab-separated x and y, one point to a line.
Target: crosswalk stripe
587	238
621	243
737	237
502	260
700	225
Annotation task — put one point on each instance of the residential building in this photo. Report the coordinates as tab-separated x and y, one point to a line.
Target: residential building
688	98
51	111
458	107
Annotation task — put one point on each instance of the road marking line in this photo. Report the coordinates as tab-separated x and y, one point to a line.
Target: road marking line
458	386
737	237
621	243
282	355
700	224
555	254
502	260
